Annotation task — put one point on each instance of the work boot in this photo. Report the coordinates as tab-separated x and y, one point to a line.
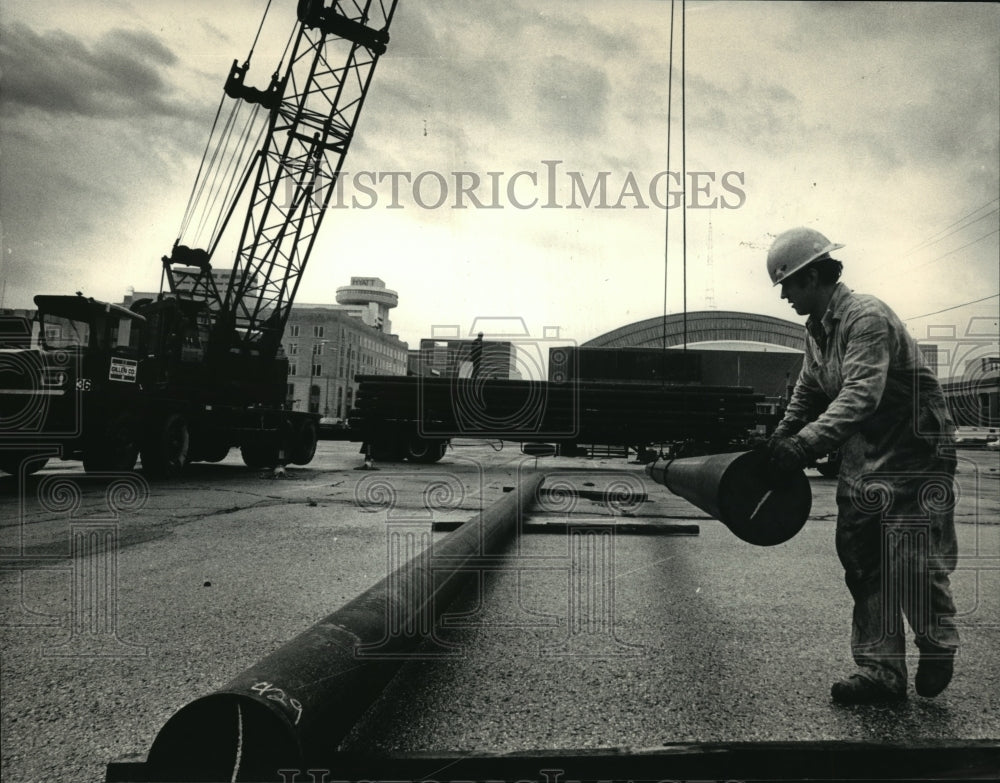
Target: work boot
858	689
934	674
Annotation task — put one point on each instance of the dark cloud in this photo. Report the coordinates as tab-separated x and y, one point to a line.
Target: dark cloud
432	71
416	34
957	121
458	87
120	75
93	134
755	112
946	117
214	31
928	73
821	25
117	41
597	42
447	28
462	64
571	97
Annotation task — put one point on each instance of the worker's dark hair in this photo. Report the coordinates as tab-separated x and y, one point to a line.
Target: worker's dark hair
828	270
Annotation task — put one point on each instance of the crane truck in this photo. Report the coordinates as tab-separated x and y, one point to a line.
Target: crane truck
198	369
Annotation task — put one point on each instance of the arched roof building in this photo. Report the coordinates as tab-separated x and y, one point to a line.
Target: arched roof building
725	348
704	326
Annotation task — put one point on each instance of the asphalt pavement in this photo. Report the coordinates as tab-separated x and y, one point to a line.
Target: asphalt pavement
121	605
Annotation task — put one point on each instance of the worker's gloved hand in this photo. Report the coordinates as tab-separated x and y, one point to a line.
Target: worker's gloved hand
786	455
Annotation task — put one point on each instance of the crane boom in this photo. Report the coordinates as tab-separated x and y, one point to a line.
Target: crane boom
199	370
314	108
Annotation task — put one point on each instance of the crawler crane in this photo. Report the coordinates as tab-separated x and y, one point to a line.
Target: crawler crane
199	369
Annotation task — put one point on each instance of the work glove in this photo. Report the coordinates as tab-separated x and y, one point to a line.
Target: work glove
786	455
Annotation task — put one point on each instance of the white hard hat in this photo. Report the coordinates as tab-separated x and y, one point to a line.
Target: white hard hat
794	249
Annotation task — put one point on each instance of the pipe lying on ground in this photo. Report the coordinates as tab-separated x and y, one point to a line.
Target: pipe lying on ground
294	707
739	490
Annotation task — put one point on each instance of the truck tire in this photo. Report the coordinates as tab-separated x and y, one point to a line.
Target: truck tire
259	455
16	462
304	442
116	450
165	452
424	450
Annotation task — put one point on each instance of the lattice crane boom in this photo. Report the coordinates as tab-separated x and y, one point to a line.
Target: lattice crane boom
313	114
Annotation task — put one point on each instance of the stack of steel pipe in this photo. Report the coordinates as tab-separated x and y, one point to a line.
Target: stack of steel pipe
585	411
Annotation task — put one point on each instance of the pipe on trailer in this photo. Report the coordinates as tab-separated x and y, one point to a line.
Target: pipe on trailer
739	489
294	707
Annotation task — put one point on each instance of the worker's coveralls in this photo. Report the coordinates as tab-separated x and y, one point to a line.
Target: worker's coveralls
865	390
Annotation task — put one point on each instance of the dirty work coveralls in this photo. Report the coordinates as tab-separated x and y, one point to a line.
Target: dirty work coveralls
865	390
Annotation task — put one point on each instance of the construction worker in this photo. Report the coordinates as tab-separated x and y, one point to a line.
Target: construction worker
477	355
865	390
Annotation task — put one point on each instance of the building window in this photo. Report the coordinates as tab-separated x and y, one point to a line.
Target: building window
314	399
293	349
293	369
293	330
317	331
317	370
318	349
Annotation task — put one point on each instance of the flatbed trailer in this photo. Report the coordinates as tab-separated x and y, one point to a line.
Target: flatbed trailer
415	417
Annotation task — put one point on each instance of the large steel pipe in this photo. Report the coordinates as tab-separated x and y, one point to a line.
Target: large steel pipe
292	709
758	505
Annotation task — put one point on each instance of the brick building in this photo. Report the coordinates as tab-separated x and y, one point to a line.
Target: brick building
326	348
327	345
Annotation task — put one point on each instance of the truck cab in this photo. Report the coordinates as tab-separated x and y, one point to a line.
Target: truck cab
81	365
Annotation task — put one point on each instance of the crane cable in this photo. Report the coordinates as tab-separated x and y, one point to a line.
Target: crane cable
259	28
196	191
666	240
188	210
241	173
245	136
666	211
684	235
249	160
215	166
229	176
234	173
288	45
683	192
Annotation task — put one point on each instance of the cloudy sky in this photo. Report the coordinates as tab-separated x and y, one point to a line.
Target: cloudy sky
876	123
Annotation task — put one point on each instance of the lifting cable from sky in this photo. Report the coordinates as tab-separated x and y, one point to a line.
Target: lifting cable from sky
683	176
